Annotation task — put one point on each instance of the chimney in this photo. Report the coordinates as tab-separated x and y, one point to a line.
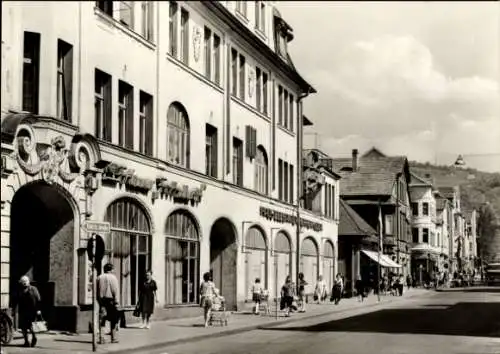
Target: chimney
354	160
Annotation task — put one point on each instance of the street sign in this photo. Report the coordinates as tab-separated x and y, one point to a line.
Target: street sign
95	252
98	227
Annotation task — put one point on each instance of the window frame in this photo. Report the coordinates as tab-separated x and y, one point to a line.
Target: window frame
237	161
64	80
211	150
102	97
125	115
184	36
176	115
173	46
145	123
261	177
31	72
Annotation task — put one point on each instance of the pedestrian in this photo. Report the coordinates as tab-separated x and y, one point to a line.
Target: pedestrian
408	281
401	284
257	291
338	287
360	288
107	297
320	292
27	302
147	299
302	292
287	295
207	292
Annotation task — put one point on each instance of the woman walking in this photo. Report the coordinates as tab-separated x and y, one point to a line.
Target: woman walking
207	292
287	294
320	290
360	289
28	304
302	292
338	288
148	299
257	291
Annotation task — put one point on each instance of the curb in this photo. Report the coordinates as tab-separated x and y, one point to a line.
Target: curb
249	328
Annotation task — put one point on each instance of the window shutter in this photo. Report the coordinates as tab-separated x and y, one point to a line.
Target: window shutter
107	111
129	125
248	136
254	143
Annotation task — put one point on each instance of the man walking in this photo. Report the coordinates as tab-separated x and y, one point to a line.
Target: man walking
107	297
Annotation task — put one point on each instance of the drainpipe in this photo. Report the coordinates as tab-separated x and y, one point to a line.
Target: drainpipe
300	191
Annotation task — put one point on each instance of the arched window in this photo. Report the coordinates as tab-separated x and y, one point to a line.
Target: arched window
178	135
283	255
309	262
182	259
261	171
329	264
256	258
128	246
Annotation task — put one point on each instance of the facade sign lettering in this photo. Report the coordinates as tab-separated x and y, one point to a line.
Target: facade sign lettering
281	217
178	192
120	174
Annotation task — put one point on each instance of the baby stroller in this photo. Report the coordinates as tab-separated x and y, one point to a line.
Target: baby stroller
218	313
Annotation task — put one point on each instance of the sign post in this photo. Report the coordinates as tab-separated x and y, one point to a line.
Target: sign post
95	252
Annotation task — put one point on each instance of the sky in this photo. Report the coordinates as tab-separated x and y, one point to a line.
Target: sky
420	79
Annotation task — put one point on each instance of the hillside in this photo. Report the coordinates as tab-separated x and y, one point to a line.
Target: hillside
478	190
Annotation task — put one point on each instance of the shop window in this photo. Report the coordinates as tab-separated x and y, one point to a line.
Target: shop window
31	71
182	257
255	258
283	257
178	135
328	264
128	247
309	262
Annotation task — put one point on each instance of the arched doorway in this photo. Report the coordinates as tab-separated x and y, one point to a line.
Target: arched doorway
255	259
223	253
309	262
283	258
182	258
128	246
42	234
329	264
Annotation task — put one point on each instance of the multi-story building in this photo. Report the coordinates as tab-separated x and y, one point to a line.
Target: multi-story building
443	232
104	106
426	239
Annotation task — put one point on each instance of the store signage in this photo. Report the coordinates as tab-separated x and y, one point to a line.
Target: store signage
121	174
281	217
178	192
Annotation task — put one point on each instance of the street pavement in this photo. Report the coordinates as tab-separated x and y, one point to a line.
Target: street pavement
463	321
190	330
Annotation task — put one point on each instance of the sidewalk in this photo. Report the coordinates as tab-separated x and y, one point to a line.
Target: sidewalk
163	333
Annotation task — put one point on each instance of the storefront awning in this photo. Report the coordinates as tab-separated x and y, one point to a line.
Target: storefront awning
385	260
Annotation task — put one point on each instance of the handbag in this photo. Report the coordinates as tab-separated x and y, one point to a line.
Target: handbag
137	311
39	325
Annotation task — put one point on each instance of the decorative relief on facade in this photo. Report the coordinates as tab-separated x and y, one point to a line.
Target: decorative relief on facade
119	174
178	192
197	43
251	82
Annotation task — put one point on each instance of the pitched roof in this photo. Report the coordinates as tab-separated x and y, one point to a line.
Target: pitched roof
351	224
447	192
374	152
418	181
374	175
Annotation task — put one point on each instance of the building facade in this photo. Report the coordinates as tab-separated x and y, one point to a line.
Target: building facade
443	212
104	108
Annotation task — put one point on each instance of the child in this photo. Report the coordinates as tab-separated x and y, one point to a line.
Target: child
217	300
257	295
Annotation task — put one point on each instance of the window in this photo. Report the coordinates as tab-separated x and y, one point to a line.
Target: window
414	208
285	181
327	200
241	8
182	259
237	162
216	44
290	111
241	73
208	53
389	221
261	171
260	16
184	36
172	28
280	105
146	124
425	209
125	115
64	80
128	247
285	108
425	235
234	72
211	150
178	135
105	6
309	261
31	71
102	82
261	90
280	179
147	20
127	13
414	232
282	45
291	199
255	258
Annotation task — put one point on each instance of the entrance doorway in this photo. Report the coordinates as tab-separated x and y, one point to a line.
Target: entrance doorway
223	253
42	245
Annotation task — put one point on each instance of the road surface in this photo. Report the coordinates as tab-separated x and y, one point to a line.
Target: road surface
450	322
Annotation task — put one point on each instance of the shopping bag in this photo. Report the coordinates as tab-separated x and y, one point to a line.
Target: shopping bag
39	325
137	311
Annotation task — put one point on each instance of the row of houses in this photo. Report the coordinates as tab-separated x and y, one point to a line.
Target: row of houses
179	125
